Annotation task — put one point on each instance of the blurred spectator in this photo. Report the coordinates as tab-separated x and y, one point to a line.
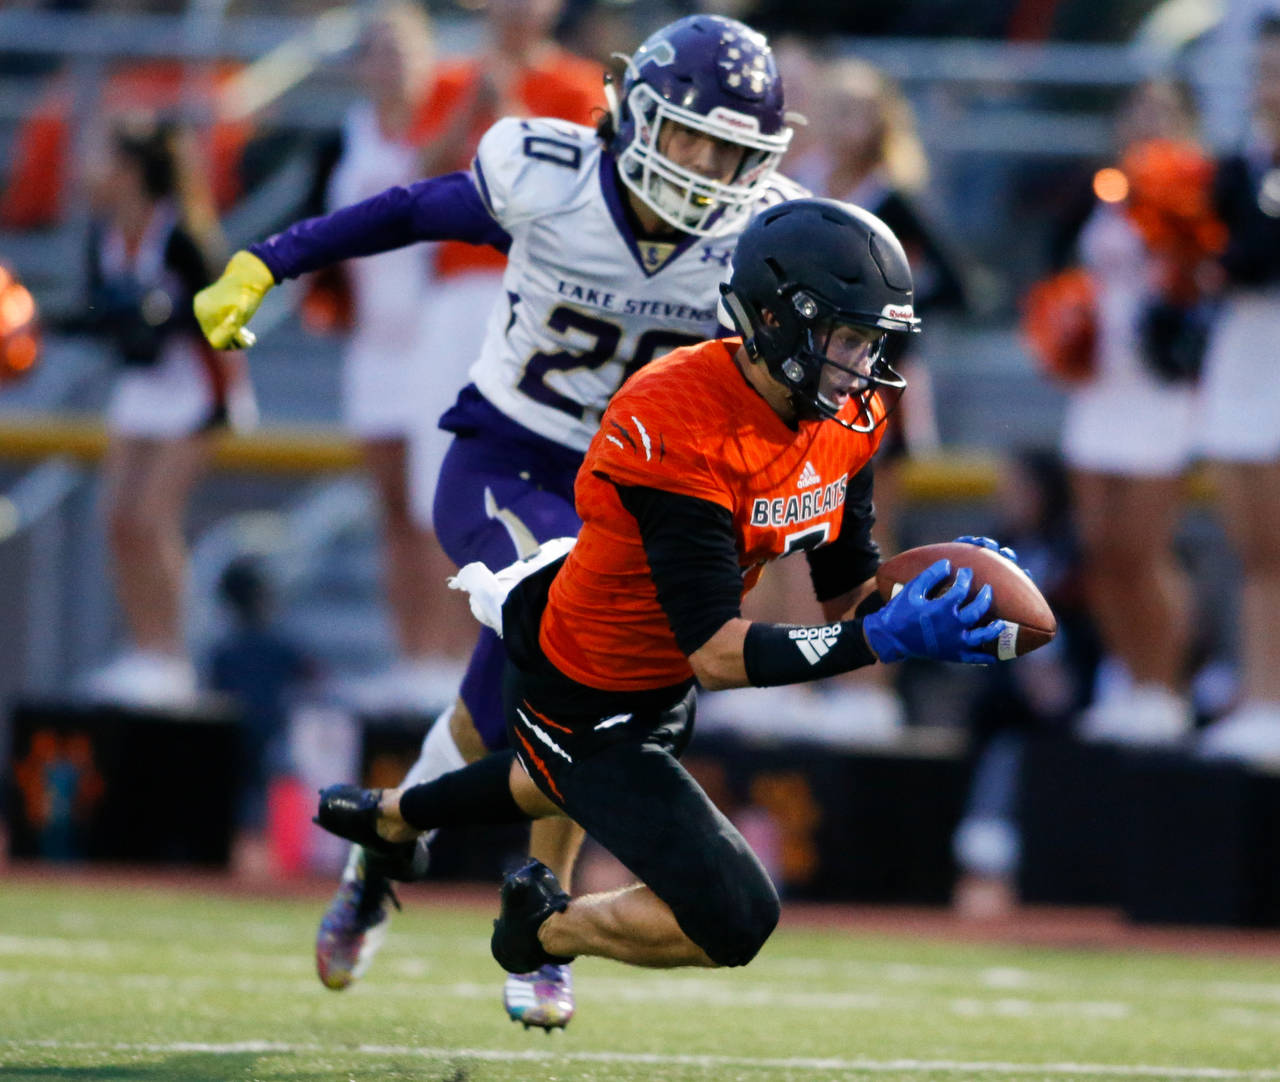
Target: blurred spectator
520	71
1043	690
1079	20
260	669
871	155
863	149
1240	426
601	30
40	171
804	76
149	253
391	381
1128	432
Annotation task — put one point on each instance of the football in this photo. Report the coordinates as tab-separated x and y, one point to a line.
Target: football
1015	598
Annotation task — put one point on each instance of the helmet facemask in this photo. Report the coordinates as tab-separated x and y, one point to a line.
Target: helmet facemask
832	362
679	196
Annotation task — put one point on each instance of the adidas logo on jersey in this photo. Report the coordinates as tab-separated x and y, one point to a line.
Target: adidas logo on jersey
814	642
808	476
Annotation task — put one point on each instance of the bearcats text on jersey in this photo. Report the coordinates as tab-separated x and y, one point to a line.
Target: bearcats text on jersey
801	508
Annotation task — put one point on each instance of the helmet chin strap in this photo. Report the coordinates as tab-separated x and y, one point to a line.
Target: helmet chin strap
611	92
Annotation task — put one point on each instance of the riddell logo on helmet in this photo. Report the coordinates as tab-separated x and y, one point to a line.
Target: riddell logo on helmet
730	118
898	311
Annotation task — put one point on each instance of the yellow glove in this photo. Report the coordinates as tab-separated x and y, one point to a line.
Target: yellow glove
224	308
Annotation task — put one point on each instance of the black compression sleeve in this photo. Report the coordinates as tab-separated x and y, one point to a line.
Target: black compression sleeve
776	654
852	557
693	559
476	795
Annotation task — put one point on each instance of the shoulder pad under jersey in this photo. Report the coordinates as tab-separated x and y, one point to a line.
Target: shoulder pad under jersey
524	168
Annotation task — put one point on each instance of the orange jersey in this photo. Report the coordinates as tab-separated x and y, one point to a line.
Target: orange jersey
690	424
560	85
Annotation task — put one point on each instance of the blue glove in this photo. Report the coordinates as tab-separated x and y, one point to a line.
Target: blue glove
994	546
944	628
989	543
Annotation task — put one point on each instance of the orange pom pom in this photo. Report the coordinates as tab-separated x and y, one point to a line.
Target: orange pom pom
1170	205
1060	324
19	331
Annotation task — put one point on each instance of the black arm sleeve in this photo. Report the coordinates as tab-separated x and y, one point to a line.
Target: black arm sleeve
1252	256
852	557
184	257
689	544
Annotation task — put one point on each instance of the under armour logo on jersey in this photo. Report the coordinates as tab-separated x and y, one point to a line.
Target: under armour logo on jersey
808	476
814	642
721	254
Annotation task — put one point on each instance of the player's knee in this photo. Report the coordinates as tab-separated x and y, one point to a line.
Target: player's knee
466	736
746	916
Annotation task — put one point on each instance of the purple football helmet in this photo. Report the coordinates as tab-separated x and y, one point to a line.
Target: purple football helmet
716	76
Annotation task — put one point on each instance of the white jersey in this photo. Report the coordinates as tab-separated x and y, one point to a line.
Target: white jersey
586	302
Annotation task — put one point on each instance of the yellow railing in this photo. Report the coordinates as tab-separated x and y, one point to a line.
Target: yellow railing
277	449
955	477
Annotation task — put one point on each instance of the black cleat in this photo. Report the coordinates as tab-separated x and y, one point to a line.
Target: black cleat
529	896
352	812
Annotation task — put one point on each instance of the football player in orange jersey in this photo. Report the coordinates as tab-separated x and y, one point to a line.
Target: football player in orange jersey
707	465
618	239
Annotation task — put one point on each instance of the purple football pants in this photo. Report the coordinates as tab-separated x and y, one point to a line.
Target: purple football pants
501	493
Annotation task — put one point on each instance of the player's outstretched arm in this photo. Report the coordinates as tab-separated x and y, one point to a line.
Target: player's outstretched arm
439	208
948	627
758	654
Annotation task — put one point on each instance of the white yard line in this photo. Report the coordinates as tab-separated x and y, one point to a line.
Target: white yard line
701	992
798	1063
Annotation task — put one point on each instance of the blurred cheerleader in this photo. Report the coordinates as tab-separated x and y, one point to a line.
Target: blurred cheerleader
1240	426
1128	436
154	243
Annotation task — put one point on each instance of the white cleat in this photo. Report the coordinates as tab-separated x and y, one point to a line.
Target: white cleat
542	998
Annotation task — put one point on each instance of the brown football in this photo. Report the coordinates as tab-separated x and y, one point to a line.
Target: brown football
1015	598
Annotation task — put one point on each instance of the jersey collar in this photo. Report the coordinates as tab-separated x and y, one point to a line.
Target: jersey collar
614	200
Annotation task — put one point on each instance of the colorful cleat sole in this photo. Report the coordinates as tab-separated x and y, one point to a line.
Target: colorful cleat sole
543	998
354	926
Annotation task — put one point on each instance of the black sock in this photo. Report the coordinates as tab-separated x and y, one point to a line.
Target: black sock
477	795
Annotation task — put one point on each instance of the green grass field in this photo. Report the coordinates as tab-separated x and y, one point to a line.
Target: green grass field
138	984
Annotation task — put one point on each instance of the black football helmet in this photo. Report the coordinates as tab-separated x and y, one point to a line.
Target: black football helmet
806	273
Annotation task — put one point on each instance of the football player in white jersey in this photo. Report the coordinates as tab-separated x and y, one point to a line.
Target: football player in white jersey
617	240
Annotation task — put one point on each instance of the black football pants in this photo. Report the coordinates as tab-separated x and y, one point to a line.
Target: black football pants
619	778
